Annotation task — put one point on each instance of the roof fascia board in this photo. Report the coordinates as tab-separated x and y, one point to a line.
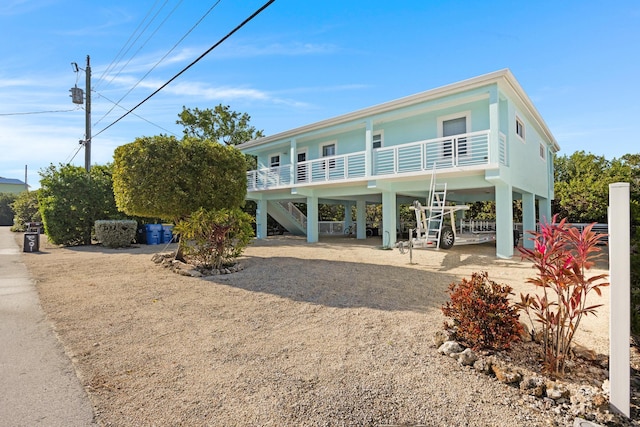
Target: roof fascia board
378	112
382	108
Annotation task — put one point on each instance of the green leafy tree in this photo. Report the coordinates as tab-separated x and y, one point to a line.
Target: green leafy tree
25	209
6	210
632	162
162	177
71	200
582	186
220	124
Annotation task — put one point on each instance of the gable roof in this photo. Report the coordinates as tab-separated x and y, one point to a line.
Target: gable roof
503	77
10	181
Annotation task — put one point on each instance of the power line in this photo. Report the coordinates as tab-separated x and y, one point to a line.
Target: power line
163	58
74	154
144	44
132	43
116	59
242	24
38	112
138	116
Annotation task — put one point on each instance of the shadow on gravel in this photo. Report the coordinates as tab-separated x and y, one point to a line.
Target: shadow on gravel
343	284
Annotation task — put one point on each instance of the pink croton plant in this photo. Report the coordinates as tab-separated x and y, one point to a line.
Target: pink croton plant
562	256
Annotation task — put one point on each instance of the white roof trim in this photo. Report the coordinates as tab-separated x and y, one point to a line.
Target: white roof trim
483	80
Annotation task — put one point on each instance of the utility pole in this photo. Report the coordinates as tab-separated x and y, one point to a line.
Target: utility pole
77	98
87	123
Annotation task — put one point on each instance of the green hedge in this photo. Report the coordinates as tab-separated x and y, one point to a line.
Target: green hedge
116	233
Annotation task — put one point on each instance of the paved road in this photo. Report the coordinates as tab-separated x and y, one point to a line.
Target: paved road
38	385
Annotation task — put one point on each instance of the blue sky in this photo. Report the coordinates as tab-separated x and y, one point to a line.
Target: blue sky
302	61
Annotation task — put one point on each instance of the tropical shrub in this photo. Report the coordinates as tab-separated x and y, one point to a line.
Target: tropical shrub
116	233
214	238
71	200
562	255
25	209
6	209
163	177
481	312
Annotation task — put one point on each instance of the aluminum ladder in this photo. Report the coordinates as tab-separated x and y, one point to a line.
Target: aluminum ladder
436	210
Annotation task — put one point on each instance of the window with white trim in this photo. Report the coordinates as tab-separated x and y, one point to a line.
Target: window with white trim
377	140
274	160
543	152
454	127
520	128
329	150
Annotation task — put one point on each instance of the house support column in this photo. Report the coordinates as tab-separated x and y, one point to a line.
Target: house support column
361	219
261	219
544	210
504	220
528	218
389	224
293	155
312	219
494	125
368	148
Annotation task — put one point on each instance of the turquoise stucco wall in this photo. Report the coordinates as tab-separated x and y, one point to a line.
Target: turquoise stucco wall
527	171
396	131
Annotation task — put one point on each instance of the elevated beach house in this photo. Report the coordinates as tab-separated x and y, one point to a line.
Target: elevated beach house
483	137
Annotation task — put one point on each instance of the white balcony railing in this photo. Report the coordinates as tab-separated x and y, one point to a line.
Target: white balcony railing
465	150
333	168
274	177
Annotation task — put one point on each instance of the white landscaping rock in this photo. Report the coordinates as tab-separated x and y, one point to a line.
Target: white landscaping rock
467	357
450	347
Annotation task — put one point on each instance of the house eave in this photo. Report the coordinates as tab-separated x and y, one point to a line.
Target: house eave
487	79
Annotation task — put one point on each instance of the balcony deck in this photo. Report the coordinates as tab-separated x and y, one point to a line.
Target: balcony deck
471	149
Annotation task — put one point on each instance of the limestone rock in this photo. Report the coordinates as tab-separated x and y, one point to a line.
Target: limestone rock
450	347
506	374
534	386
483	365
194	273
442	336
179	265
600	402
557	391
467	357
584	353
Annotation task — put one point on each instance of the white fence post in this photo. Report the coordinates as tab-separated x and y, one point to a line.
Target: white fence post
620	297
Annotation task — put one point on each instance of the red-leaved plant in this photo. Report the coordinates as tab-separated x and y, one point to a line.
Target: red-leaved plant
562	255
483	317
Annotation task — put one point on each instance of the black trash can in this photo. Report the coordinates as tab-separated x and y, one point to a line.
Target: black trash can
31	241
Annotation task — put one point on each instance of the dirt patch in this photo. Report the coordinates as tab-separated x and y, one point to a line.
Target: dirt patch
333	333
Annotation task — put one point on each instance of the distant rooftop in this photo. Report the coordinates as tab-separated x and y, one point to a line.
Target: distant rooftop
10	181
